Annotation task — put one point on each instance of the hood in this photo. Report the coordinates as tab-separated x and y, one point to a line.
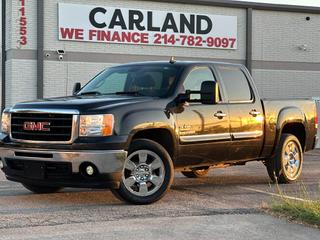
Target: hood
84	104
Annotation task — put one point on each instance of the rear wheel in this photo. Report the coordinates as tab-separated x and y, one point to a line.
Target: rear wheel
41	189
147	174
196	173
286	166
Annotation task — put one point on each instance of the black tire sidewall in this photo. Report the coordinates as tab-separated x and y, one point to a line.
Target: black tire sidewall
276	164
146	144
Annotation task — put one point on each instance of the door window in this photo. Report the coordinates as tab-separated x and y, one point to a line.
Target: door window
236	83
195	78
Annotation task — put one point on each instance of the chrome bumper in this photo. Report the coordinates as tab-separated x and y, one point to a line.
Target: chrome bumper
106	161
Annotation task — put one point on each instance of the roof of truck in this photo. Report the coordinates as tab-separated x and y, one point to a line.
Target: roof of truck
178	63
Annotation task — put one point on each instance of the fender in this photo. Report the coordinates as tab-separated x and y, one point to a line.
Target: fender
136	121
288	115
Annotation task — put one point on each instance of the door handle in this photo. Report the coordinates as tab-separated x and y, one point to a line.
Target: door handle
220	115
254	113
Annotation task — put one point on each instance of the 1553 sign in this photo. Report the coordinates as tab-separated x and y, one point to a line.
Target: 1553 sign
22	41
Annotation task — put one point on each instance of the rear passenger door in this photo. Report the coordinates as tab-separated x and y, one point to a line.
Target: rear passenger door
245	113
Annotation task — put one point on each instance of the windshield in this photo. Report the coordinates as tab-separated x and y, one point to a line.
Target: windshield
155	81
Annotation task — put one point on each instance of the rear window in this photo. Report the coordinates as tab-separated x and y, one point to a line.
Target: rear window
236	83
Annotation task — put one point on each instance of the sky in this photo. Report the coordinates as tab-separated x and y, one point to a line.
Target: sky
315	3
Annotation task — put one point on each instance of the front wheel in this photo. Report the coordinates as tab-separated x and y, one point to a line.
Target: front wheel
147	174
286	166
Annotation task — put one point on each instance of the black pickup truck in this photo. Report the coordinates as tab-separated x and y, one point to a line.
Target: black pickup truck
133	125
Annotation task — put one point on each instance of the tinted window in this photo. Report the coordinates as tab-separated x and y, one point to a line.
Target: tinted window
145	80
236	83
116	82
195	78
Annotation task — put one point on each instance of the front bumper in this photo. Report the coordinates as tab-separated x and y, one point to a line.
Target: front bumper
49	167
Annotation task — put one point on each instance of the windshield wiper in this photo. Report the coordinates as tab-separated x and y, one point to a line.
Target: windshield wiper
116	93
90	93
129	93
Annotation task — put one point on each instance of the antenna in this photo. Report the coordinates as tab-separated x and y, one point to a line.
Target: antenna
172	60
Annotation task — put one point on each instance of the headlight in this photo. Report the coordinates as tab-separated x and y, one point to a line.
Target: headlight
5	123
96	125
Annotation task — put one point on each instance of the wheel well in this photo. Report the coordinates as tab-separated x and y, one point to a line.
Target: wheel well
298	130
161	136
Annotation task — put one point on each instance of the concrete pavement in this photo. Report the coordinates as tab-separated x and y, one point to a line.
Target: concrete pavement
225	205
224	226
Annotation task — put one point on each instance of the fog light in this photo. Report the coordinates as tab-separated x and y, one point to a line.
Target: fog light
1	164
89	170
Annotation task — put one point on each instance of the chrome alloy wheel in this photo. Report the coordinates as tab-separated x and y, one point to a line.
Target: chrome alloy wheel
291	160
143	173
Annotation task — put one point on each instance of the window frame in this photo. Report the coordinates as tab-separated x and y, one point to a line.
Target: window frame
210	67
253	95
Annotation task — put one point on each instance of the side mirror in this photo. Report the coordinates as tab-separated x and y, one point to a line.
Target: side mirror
76	88
208	92
183	97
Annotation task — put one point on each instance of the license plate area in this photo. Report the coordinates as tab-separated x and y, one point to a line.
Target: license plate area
34	170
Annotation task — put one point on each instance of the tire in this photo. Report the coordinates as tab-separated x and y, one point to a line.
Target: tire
147	175
196	173
286	165
41	189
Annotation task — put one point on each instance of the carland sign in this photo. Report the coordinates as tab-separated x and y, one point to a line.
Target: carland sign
149	27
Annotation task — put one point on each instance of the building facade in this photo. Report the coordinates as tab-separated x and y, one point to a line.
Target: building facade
50	45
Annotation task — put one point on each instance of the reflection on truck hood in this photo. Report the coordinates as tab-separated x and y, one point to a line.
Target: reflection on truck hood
82	103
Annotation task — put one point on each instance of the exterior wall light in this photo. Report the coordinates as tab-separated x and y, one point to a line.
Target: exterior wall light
303	47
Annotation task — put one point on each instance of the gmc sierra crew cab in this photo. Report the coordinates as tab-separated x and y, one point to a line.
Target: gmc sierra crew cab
133	125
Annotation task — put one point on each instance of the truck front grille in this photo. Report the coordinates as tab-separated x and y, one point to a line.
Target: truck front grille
58	129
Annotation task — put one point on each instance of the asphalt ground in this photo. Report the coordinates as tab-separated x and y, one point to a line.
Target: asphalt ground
224	205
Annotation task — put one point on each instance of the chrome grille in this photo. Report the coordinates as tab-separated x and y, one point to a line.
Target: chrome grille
60	127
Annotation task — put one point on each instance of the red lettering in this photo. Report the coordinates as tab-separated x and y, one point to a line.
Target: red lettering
79	34
144	38
92	33
23	40
157	38
233	41
23	23
126	37
36	126
135	37
105	36
67	33
23	12
116	37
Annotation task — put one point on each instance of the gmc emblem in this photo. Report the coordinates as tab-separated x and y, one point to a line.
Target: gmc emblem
37	126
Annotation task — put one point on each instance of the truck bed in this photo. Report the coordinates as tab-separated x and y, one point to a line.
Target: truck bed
273	110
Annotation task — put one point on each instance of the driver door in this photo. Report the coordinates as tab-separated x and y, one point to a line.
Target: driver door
203	128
